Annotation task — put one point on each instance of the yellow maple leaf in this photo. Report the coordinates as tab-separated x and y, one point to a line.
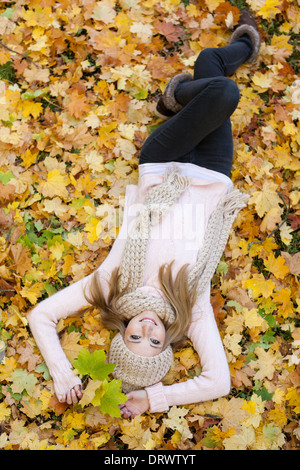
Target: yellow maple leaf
41	45
32	291
37	32
281	42
188	357
150	444
286	233
22	258
192	10
289	129
76	240
95	162
124	148
57	251
101	440
94	228
70	345
253	319
143	31
285	27
4	57
277	266
264	365
171	5
45	397
176	421
73	420
57	207
240	441
55	185
106	135
7	368
121	168
30	107
265	199
293	397
269	10
285	302
231	412
256	415
231	342
249	406
29	158
262	81
38	16
31	407
278	416
4	411
69	261
259	286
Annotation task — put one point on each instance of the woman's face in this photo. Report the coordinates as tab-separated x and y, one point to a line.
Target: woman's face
145	334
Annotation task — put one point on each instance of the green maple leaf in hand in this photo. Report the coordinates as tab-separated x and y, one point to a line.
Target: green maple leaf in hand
108	396
111	398
93	364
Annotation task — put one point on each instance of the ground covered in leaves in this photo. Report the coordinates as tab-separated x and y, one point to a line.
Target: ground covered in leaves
78	86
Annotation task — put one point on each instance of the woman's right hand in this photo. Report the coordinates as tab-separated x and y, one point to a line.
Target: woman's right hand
68	389
72	396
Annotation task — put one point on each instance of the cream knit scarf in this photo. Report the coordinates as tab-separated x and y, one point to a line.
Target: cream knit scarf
157	202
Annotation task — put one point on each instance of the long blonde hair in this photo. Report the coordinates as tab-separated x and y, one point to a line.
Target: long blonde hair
176	292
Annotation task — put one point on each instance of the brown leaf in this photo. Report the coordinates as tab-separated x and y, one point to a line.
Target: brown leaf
59	408
240	295
295	221
7	191
22	258
171	32
241	379
27	355
6	220
292	261
6	289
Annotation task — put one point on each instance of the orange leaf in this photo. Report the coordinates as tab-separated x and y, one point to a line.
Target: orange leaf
22	258
78	105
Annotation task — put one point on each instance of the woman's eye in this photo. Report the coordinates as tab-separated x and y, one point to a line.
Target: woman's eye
155	341
135	337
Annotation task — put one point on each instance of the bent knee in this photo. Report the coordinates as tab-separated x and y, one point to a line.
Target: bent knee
227	91
206	56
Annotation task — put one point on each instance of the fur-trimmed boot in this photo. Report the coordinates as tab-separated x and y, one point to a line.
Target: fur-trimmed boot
247	25
167	105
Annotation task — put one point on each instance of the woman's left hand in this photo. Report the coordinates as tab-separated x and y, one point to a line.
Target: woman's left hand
136	404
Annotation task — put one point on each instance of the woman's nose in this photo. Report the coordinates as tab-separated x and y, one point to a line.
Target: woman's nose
147	327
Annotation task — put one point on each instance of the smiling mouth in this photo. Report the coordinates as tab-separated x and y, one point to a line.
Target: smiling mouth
149	320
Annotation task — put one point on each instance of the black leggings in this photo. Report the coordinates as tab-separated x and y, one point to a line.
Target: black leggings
201	132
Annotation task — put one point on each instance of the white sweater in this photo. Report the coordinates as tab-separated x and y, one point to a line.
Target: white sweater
178	236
